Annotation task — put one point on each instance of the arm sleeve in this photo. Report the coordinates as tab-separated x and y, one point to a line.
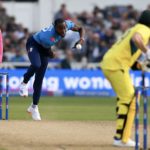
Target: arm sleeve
70	24
145	33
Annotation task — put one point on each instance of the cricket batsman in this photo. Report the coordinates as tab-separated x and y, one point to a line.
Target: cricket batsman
116	64
39	51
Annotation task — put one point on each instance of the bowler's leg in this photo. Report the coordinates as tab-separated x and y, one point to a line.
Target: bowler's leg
39	79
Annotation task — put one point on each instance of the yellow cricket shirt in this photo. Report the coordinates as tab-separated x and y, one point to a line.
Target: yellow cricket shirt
124	53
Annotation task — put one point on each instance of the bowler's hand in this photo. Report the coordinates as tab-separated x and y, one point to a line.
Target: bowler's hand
81	41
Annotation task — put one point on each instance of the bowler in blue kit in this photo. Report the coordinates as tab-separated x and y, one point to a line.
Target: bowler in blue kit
39	51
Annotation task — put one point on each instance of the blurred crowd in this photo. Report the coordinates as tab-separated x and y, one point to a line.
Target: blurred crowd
102	26
14	38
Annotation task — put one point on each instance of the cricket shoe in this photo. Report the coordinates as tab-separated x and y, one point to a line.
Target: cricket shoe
119	143
23	91
34	111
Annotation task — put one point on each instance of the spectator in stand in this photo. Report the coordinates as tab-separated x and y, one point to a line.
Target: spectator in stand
66	62
11	26
62	13
3	16
109	37
18	57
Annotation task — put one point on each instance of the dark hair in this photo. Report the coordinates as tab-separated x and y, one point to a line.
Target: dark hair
145	18
58	21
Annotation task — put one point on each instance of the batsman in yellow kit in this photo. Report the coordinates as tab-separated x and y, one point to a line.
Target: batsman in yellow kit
116	64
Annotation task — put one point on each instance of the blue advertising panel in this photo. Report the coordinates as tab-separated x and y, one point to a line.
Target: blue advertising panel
71	82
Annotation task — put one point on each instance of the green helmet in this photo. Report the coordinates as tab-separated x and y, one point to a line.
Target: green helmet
145	18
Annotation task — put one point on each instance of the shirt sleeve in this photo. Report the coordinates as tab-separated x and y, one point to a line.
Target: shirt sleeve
145	33
70	24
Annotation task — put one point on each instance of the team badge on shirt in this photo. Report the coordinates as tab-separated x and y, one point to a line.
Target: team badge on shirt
52	39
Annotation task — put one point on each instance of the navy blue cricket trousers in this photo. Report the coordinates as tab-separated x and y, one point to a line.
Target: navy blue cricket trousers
39	62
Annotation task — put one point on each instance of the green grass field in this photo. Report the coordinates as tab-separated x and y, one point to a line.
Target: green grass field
67	122
67	108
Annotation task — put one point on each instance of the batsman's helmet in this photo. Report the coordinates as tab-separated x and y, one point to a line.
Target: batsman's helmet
145	18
